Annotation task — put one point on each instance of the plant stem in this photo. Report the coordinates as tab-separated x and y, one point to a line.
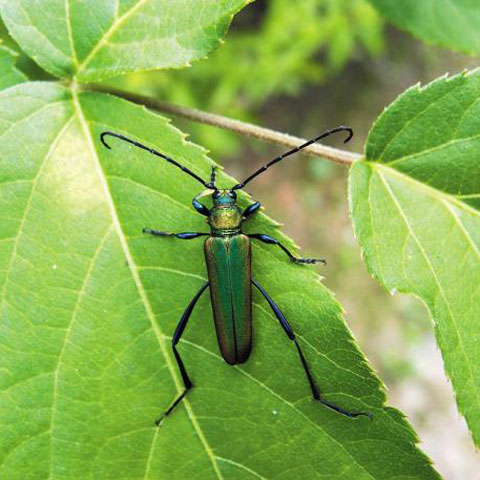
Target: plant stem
248	129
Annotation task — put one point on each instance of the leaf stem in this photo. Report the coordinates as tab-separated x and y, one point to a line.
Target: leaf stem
248	129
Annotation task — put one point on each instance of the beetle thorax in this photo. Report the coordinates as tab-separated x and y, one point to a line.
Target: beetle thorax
225	220
225	217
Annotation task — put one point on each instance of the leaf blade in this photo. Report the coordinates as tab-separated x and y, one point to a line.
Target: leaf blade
9	74
449	23
415	211
140	288
91	41
81	330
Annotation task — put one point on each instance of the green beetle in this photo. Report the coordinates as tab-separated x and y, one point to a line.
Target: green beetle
228	260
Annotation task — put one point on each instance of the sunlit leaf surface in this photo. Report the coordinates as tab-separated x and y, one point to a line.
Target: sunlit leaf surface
89	305
92	40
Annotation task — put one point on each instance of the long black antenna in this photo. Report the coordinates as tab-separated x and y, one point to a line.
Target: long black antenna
151	150
295	150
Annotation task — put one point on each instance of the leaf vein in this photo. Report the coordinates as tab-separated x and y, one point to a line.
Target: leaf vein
140	288
30	115
239	465
68	21
439	195
111	30
28	206
433	149
435	277
410	120
462	227
156	192
171	270
284	400
68	331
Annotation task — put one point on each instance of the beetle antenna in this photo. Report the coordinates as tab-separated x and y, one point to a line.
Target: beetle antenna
153	151
327	133
213	176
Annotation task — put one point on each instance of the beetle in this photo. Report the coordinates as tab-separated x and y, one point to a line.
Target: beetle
228	260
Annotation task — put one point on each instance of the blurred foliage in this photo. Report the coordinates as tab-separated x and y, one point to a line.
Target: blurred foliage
9	74
260	59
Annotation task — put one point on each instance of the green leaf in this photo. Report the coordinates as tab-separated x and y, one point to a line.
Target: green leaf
450	23
92	40
415	203
9	75
89	305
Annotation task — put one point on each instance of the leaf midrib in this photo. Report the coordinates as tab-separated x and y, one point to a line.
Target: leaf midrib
136	277
161	337
439	195
70	33
436	148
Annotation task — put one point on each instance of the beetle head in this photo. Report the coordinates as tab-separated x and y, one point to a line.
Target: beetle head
224	198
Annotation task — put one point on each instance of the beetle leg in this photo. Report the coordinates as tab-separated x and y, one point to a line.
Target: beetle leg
288	330
251	209
175	339
270	240
200	207
182	236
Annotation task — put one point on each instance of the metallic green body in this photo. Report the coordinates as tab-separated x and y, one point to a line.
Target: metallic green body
229	272
228	258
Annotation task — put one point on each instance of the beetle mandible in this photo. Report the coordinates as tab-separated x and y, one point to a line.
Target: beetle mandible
228	260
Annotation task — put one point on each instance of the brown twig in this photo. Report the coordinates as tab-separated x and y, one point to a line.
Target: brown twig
219	121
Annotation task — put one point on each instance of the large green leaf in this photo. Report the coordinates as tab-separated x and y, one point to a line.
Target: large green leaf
9	75
415	202
92	40
450	23
89	305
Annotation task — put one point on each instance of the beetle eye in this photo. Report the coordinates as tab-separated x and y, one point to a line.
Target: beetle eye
216	194
232	194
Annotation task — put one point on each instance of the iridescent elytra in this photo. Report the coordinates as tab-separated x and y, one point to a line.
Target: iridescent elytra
228	260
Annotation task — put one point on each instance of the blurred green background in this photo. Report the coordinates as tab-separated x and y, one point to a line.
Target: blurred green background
301	67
